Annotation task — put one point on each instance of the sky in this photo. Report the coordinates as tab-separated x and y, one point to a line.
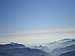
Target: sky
36	21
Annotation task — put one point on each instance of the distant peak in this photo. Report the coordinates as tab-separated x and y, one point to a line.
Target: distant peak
12	43
69	39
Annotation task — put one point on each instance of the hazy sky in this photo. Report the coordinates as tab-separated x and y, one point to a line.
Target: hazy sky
36	21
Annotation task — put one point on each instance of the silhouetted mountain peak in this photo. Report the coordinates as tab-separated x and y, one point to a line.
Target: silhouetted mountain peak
13	43
11	46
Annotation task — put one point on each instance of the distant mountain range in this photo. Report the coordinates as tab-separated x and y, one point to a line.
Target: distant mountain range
64	47
14	49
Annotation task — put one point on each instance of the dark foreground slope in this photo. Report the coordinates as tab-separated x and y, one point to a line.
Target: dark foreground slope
72	53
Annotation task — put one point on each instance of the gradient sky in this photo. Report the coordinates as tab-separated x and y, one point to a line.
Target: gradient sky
22	19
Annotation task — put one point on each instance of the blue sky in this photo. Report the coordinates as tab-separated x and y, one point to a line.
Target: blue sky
21	15
30	15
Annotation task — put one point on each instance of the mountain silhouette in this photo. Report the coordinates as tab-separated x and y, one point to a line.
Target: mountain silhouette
15	49
64	47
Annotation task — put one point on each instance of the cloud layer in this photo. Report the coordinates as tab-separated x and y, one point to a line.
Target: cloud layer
39	36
